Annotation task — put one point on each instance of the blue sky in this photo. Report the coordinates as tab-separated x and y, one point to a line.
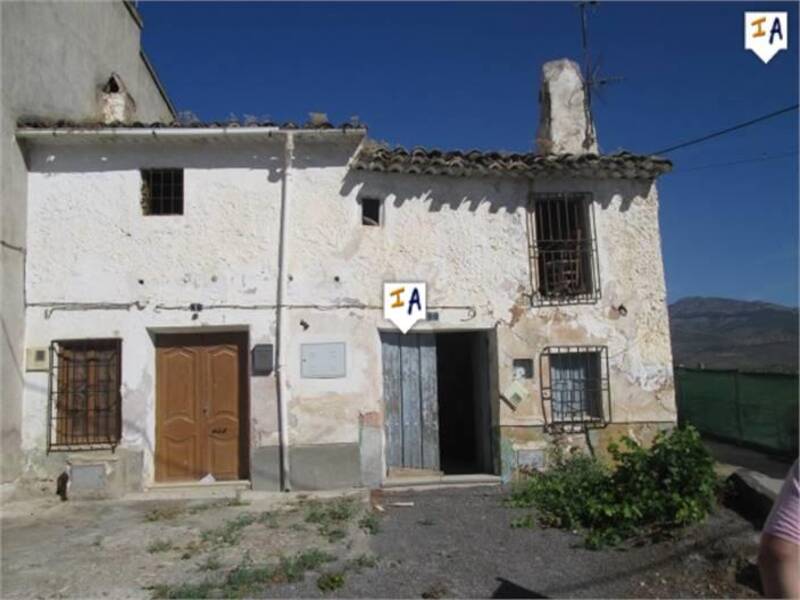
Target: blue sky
466	75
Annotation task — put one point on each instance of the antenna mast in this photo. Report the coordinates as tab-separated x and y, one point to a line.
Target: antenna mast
592	81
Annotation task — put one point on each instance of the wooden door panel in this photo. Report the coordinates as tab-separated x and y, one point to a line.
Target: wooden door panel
222	419
411	398
178	414
392	395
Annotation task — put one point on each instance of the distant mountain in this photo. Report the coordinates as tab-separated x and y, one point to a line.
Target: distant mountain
734	334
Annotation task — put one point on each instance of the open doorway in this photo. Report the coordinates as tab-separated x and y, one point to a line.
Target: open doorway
462	374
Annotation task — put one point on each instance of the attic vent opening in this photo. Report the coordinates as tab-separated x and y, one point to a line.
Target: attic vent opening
370	212
112	86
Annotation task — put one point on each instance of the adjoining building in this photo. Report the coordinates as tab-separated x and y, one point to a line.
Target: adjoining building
58	59
204	302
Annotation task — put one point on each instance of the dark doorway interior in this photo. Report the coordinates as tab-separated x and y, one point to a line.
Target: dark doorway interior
463	394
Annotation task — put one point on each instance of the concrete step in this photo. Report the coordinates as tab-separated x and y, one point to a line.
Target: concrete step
437	481
192	490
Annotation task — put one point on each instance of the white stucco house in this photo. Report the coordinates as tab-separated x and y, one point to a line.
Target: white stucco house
206	300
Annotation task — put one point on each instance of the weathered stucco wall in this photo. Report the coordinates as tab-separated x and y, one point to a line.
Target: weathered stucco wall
467	238
54	56
90	244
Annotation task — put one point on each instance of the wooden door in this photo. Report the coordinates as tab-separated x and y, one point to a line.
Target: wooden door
200	407
409	390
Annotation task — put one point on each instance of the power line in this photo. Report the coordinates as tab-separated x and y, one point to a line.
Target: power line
738	162
728	130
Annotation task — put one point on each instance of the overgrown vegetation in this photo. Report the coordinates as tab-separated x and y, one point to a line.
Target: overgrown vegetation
159	546
246	579
331	517
230	532
370	523
328	582
650	493
164	513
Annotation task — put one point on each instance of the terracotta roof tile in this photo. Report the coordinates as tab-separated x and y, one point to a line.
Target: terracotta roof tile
622	165
39	123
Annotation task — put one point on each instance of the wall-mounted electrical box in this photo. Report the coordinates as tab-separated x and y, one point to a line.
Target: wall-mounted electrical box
37	359
261	360
323	361
522	368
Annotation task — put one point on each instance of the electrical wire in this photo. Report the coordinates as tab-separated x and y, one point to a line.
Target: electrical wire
737	162
728	130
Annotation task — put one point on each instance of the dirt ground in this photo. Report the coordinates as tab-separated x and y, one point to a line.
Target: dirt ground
449	543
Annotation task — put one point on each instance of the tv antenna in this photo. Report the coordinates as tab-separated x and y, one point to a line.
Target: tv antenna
593	81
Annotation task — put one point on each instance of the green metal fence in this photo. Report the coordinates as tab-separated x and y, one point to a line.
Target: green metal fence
753	409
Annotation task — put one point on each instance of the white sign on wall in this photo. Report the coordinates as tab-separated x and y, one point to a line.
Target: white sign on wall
404	303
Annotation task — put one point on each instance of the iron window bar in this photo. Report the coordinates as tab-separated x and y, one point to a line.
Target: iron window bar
575	389
162	191
563	249
84	399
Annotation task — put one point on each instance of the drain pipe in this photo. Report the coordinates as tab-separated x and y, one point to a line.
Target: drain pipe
283	417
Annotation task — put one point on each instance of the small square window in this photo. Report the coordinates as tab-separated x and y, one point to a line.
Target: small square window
162	191
370	212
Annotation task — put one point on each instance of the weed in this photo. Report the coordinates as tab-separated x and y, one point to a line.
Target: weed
298	527
230	532
190	550
246	579
163	513
370	523
203	506
363	561
159	546
98	541
237	501
523	522
269	519
186	590
311	559
333	534
328	582
437	590
330	516
336	511
211	564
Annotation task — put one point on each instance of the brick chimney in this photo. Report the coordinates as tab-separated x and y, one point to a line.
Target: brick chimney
565	124
116	104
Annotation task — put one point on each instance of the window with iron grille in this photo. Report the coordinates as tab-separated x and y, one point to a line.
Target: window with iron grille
563	249
575	387
162	191
85	401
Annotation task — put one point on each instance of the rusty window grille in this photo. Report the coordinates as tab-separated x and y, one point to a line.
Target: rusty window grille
162	191
563	249
575	386
84	388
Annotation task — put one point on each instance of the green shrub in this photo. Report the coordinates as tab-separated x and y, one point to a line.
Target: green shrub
649	493
328	582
